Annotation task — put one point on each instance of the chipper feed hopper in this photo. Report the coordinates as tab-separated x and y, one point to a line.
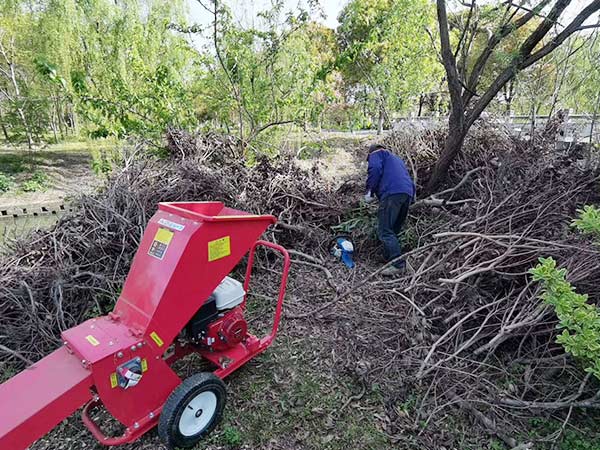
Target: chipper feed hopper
177	299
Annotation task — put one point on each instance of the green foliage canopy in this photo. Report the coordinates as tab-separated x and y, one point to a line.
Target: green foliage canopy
386	50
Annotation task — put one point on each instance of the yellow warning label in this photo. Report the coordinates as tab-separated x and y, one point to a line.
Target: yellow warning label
219	248
144	365
92	340
156	338
113	380
164	236
161	241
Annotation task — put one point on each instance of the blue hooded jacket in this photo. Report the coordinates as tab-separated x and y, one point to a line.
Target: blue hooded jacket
388	175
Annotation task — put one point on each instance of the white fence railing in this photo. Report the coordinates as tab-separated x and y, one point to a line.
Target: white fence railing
577	128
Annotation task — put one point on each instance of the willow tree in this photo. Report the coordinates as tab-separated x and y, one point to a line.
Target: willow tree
115	68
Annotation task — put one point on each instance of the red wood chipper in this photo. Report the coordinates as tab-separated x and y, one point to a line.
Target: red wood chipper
177	299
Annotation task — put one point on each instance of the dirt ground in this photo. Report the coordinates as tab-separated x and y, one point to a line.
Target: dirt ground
68	168
63	170
333	153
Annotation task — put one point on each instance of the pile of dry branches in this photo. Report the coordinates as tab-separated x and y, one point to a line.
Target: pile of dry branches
465	327
462	331
57	278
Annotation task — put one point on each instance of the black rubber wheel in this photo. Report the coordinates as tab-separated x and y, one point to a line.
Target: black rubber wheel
192	410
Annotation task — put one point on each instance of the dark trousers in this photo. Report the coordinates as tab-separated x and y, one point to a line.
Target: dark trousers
393	211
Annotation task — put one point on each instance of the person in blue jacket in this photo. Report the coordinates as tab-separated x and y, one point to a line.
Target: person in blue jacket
388	180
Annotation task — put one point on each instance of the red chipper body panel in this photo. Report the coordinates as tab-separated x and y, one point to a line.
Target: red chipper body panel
122	361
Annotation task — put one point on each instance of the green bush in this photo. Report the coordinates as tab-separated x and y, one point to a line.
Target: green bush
579	320
38	181
104	160
4	183
100	163
588	221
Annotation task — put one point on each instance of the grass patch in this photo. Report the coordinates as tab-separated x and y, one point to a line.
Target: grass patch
313	149
232	436
11	164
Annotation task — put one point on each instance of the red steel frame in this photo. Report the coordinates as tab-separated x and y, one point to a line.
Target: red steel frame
240	354
159	297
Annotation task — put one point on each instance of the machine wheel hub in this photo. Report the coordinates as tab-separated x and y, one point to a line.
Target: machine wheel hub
198	413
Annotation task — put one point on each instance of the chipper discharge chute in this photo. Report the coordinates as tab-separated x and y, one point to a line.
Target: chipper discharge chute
177	299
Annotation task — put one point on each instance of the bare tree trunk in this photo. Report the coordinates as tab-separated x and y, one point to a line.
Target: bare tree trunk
53	122
59	116
457	128
452	146
594	118
73	119
533	120
235	88
12	77
559	81
508	96
26	126
5	131
380	121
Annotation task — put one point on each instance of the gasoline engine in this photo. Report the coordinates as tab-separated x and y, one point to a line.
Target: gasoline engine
219	324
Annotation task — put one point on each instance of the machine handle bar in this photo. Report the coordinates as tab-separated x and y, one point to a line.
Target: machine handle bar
282	287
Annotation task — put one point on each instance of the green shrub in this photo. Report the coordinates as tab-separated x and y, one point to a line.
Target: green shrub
579	320
4	183
104	160
38	181
588	221
100	164
231	436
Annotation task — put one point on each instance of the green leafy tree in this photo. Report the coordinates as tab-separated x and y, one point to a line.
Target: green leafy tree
116	67
15	107
386	55
131	77
265	77
581	88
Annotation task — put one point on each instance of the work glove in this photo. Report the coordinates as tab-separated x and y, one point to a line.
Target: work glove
369	198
